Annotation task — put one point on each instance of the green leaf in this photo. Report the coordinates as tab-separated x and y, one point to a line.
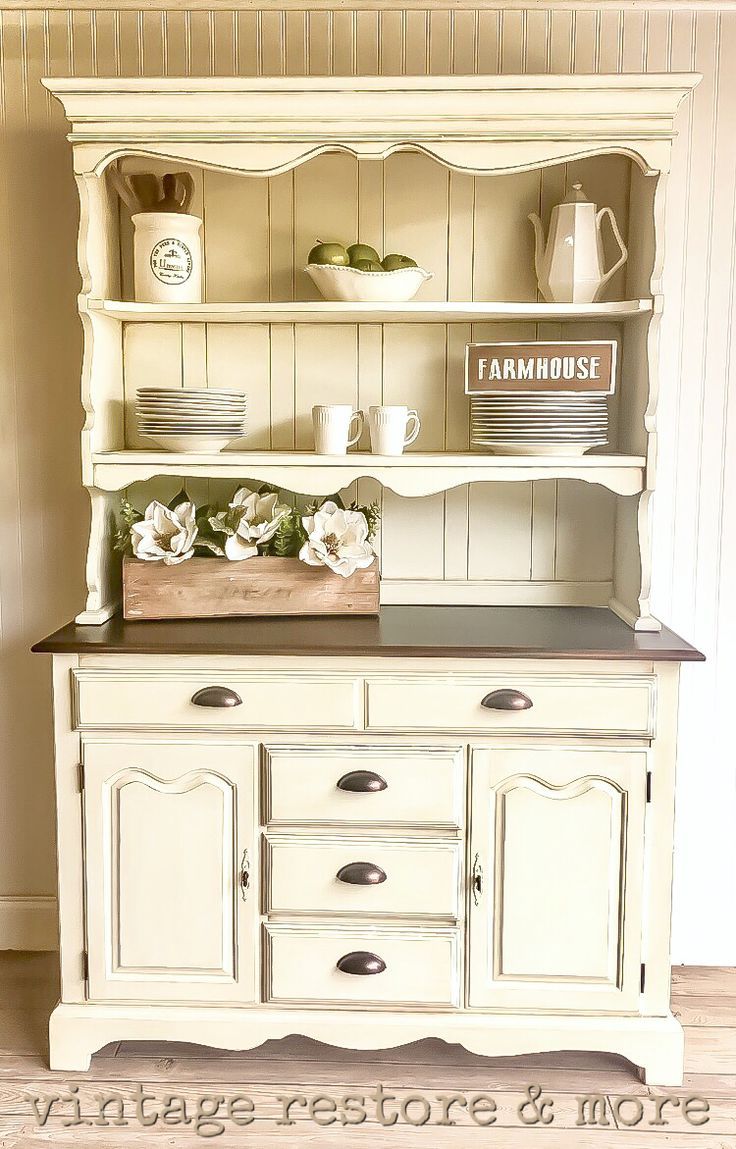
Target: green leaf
182	497
372	514
128	517
209	546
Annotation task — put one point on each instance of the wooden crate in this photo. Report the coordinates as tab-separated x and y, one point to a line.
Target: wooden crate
217	588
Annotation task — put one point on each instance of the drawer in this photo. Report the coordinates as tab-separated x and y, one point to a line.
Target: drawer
362	876
164	699
417	968
559	704
363	785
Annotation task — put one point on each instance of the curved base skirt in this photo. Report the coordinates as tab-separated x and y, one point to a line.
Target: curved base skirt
654	1044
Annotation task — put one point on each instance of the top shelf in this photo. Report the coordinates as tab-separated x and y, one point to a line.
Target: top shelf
321	311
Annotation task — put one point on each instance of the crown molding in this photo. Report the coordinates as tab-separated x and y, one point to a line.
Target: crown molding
265	125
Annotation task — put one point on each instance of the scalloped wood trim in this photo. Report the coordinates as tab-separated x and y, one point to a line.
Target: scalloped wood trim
654	1043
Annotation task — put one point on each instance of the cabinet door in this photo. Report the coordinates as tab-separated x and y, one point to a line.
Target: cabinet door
169	841
556	857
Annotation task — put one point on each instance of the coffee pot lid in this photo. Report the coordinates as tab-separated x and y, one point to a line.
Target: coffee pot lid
576	195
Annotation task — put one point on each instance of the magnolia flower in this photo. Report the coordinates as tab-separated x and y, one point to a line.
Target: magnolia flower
251	520
337	539
164	535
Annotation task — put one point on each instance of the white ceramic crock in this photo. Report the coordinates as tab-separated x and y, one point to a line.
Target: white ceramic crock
167	257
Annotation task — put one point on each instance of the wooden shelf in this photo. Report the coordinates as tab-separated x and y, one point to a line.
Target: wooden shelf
321	311
413	474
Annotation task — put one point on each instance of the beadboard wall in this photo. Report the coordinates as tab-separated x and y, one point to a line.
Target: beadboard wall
43	511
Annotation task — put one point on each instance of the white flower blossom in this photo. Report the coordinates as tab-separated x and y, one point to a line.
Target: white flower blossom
258	522
337	539
164	535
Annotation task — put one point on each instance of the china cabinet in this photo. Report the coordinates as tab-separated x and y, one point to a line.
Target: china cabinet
453	820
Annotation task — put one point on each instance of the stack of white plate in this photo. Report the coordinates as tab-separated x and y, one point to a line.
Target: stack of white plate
544	423
190	420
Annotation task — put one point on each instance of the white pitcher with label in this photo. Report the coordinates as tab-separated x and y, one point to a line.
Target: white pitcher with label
570	262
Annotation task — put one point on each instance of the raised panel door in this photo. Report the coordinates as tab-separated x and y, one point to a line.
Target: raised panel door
556	869
169	868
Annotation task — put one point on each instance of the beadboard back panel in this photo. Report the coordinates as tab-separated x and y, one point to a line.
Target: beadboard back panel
553	538
466	534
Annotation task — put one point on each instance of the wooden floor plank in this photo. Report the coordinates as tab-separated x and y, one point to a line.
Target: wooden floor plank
269	1103
710	1010
694	980
20	1134
710	1049
705	1000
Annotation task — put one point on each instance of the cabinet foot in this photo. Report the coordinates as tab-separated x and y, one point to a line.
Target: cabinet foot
663	1062
70	1047
655	1044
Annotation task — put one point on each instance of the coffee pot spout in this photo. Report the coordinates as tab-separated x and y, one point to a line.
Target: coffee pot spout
540	245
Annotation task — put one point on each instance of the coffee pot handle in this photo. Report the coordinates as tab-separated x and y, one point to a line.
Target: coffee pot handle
606	211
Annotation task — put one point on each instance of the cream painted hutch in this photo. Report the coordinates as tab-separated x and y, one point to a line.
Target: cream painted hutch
454	820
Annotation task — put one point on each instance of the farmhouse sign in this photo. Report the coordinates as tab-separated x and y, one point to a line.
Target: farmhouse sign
503	368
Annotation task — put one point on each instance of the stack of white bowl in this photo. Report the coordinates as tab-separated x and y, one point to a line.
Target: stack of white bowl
190	419
542	423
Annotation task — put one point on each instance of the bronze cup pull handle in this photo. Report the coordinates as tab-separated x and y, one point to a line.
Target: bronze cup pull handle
361	963
507	700
217	696
362	782
361	874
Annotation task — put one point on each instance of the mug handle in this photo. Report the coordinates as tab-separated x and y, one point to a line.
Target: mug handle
412	417
359	416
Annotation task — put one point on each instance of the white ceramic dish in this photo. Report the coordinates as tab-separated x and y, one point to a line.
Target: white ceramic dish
541	424
207	392
201	404
194	444
189	432
349	285
570	449
189	421
539	408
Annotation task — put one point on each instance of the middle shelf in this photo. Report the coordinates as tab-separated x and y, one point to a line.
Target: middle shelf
321	311
414	474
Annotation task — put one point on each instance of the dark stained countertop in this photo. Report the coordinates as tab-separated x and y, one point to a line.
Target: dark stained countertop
408	631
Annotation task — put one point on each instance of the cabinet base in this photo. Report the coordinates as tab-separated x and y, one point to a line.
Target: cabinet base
654	1044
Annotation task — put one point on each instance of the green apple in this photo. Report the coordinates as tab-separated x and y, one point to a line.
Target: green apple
367	265
360	251
395	261
332	253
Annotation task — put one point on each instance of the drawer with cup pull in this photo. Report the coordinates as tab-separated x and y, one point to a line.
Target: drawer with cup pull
615	705
356	877
362	967
194	700
365	785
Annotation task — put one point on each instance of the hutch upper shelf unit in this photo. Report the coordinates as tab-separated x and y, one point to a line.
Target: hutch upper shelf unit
274	160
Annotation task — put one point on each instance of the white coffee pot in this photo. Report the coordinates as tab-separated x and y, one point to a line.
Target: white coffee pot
570	264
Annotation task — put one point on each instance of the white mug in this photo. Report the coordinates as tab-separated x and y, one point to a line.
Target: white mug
389	429
332	424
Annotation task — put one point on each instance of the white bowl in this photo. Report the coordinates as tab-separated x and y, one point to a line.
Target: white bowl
349	285
193	444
